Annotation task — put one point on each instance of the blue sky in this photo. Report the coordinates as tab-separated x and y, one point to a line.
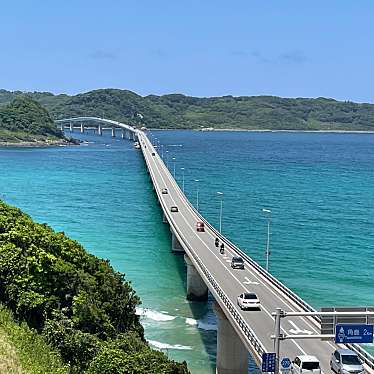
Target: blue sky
200	48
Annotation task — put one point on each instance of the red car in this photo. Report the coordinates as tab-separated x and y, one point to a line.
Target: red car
200	226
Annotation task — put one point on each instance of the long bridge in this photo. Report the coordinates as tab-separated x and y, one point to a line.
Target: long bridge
239	332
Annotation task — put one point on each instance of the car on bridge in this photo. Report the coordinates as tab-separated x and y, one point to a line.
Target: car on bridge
237	263
200	226
248	300
153	153
164	191
345	361
174	209
306	364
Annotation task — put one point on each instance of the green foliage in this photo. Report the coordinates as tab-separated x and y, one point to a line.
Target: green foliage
179	111
25	119
77	301
34	355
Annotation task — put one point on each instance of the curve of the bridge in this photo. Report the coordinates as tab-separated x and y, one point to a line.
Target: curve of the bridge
98	119
254	328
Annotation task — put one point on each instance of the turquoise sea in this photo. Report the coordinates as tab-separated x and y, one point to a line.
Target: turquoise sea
319	188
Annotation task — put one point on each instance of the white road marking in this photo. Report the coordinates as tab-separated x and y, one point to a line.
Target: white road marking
298	330
248	281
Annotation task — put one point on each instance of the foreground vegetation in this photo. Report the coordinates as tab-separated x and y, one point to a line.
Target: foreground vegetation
179	111
23	350
26	120
75	301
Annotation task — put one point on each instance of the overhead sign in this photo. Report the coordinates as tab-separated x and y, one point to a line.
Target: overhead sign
353	333
328	322
268	362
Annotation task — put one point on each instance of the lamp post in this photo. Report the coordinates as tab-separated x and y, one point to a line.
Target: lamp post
220	211
268	216
162	151
197	194
174	167
167	158
182	179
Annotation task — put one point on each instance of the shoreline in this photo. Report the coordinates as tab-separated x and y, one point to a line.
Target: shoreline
39	144
270	130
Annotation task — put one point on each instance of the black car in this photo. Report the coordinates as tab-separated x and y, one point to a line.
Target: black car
237	263
174	209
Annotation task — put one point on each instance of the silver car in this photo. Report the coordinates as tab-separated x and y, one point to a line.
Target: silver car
345	361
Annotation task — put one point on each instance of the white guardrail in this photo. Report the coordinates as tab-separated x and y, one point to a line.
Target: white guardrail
364	355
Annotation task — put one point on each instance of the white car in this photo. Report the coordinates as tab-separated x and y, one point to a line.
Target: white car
248	300
306	364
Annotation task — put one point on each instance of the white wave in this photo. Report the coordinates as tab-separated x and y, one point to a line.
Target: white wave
191	321
206	326
160	345
154	315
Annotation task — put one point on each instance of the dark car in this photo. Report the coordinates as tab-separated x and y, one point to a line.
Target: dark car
237	263
200	226
164	191
153	153
174	209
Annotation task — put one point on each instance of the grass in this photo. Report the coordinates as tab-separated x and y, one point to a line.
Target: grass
24	351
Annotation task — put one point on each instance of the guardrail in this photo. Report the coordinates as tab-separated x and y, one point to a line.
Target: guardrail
364	355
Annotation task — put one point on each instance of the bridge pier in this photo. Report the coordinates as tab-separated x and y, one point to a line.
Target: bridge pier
62	127
232	355
113	132
71	127
175	244
164	219
123	134
100	130
82	128
196	287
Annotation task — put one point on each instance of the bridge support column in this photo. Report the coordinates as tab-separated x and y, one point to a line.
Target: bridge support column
100	130
232	355
196	287
175	245
62	127
71	127
113	132
164	219
123	134
82	128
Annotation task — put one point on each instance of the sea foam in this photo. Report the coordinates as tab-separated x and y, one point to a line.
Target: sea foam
154	315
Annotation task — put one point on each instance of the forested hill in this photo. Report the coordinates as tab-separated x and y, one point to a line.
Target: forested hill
179	111
24	119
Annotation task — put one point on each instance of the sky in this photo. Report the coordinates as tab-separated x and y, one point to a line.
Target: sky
199	48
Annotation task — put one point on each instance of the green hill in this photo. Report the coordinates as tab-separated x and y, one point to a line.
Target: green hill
80	306
179	111
25	119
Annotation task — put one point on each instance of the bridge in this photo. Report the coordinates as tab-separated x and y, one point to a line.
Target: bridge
239	332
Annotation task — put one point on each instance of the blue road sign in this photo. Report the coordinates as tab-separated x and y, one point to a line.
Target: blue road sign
353	333
286	363
268	362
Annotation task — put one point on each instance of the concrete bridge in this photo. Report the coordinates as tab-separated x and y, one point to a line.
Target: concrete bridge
239	332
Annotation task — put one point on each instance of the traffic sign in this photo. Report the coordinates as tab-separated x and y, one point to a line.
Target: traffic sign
353	333
268	362
285	363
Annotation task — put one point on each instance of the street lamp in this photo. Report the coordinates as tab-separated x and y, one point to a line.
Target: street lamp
174	167
268	216
220	211
162	151
182	179
167	159
197	194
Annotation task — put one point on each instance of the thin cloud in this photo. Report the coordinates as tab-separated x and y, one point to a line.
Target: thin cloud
293	57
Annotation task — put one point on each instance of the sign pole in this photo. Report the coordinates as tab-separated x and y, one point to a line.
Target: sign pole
277	334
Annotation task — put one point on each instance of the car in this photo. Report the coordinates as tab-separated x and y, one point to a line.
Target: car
345	361
164	191
237	263
174	209
305	364
200	226
153	153
248	300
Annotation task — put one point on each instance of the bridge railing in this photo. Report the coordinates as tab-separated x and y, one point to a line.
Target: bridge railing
364	355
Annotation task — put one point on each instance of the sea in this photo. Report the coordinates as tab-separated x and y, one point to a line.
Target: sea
318	186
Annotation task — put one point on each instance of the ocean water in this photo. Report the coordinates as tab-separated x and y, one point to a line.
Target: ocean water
319	188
